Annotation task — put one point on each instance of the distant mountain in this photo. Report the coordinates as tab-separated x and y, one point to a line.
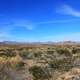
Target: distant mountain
68	43
38	43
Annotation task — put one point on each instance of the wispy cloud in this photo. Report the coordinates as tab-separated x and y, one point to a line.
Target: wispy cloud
13	23
24	23
68	10
8	26
58	21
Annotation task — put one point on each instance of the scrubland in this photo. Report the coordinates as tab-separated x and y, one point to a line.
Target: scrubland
55	62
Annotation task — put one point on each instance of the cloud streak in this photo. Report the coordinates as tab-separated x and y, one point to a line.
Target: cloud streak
6	29
12	23
58	21
8	26
24	24
68	10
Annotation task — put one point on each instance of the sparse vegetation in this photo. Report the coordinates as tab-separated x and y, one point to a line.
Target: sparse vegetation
40	73
37	63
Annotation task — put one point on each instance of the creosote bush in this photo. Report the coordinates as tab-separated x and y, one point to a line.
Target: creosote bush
40	73
63	64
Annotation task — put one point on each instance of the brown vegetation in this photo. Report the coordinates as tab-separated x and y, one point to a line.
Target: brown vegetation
40	62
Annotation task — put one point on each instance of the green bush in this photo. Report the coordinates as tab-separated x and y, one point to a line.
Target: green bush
40	73
75	50
8	53
24	54
63	64
37	54
65	52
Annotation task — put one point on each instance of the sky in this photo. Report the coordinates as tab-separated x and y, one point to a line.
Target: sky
39	20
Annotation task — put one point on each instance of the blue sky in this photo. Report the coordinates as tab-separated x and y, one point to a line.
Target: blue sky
39	20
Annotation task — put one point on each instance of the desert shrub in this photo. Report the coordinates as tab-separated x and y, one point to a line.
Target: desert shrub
9	53
37	54
50	52
3	61
24	54
20	65
40	73
16	62
63	64
10	65
4	68
65	52
75	50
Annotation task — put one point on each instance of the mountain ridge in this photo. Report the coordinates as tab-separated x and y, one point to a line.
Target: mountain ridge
48	42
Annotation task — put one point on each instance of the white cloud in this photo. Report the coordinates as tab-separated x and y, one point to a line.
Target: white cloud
68	10
7	28
24	23
14	23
